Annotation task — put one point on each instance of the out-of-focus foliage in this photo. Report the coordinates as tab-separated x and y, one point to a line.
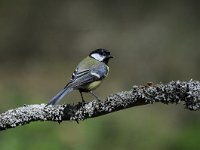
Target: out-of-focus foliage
41	43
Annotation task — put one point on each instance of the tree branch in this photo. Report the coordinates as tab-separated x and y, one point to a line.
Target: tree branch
173	92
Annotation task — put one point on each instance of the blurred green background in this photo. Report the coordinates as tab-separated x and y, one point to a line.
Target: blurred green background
41	43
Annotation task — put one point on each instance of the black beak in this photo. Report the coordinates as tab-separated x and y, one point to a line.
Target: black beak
110	56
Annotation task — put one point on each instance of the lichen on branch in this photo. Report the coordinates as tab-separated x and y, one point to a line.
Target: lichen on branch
174	92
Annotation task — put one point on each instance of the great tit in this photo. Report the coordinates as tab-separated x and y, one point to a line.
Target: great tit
87	76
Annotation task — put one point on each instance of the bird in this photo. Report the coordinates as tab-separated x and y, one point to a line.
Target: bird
87	76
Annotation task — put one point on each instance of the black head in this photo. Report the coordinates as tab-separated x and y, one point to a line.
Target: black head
101	54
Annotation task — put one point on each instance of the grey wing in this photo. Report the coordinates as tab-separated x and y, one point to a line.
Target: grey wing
89	76
79	73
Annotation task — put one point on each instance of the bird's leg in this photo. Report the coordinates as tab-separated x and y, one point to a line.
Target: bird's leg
83	101
95	96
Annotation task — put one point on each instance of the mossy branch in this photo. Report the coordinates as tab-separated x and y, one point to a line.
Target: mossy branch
174	92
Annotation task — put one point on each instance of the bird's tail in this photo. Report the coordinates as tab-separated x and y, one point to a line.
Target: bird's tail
59	96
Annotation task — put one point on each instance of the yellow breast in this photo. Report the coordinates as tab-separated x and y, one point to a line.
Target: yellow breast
93	85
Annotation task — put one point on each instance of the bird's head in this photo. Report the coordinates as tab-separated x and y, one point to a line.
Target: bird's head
101	54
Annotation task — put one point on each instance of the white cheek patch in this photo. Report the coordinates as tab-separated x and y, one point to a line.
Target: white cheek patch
98	57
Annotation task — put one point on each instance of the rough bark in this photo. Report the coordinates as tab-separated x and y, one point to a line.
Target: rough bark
174	92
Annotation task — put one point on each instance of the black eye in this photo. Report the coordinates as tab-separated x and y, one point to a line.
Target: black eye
102	53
